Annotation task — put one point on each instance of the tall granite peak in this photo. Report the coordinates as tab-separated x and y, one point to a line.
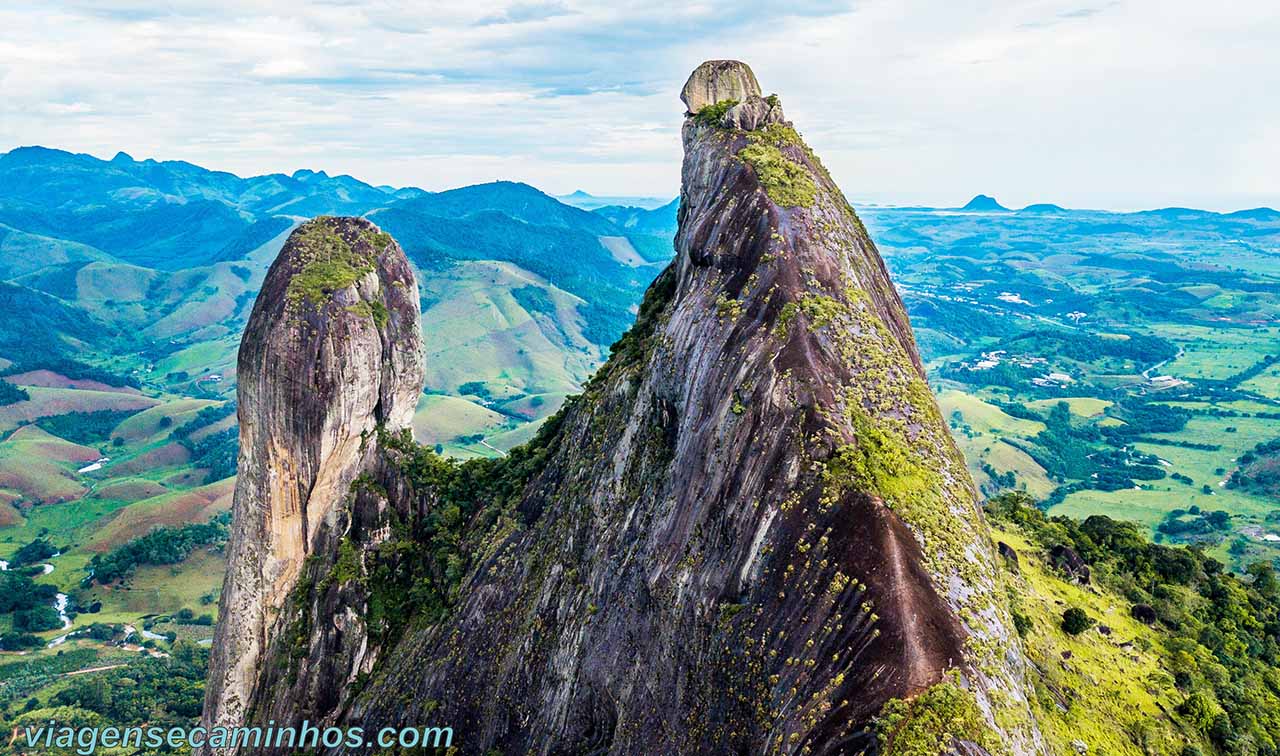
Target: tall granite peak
332	351
751	533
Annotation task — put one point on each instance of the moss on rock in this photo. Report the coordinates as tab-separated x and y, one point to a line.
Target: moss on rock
931	723
786	182
881	462
330	262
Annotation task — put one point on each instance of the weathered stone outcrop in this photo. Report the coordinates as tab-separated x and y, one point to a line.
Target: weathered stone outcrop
1070	563
332	350
719	80
1144	613
1010	556
749	534
754	113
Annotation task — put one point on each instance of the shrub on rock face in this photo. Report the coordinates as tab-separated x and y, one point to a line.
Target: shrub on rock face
1075	621
1022	623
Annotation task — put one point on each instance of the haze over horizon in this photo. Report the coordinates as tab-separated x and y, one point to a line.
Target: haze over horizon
978	200
1113	105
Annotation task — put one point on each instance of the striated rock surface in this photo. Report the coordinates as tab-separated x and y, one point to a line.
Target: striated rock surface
331	351
752	532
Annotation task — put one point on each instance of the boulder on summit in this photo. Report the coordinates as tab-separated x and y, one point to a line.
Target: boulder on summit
719	80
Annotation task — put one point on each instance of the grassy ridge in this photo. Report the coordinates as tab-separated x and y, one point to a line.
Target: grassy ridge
1200	674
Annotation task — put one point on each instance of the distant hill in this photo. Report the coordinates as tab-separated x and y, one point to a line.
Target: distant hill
651	230
167	215
1178	213
984	204
1043	207
513	199
587	201
152	267
579	252
61	210
38	326
1264	214
659	220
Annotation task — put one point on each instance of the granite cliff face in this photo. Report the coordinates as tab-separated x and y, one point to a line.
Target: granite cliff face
751	533
332	350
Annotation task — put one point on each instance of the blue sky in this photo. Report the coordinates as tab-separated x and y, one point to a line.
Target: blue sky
1120	104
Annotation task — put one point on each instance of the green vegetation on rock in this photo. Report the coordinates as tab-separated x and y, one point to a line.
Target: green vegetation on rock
418	571
347	567
1075	621
932	722
786	182
330	262
711	115
378	311
879	462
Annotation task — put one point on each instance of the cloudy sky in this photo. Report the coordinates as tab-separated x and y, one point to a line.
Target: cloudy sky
1089	103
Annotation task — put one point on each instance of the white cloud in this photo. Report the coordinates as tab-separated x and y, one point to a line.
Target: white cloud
1088	103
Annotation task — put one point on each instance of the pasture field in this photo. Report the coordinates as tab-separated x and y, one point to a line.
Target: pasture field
49	402
1216	353
1085	407
1266	383
216	357
505	328
980	430
984	418
187	585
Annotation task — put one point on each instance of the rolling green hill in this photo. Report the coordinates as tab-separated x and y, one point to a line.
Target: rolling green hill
166	215
133	279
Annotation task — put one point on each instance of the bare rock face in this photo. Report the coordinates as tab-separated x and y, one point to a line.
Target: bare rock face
754	113
331	351
1070	563
750	534
719	80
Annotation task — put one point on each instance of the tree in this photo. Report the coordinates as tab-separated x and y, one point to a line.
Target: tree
33	552
19	641
36	619
1265	581
1075	621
